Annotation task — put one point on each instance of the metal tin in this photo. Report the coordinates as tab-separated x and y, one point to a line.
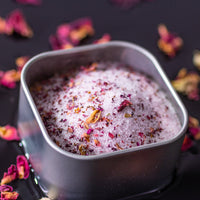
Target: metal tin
132	172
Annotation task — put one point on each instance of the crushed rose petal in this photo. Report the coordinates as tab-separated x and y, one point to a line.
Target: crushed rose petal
21	61
71	34
105	38
9	195
89	68
8	133
94	117
15	22
194	128
9	176
23	168
187	143
196	59
187	84
6	188
168	43
123	105
30	2
9	78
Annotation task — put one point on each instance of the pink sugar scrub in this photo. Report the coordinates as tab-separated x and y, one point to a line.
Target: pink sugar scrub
104	107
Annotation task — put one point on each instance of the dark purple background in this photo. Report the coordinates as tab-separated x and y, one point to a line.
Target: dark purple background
138	25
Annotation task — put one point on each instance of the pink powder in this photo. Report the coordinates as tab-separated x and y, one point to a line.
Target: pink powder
103	109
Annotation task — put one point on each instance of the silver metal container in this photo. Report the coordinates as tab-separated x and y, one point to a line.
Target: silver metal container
132	172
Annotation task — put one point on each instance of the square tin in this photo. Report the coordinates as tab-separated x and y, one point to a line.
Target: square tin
133	172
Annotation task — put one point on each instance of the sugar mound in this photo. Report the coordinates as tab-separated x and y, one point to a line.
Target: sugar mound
103	108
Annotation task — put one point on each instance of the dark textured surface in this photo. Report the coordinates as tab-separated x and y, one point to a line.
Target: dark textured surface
138	25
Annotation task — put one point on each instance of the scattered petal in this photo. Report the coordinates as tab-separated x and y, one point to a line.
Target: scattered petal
6	188
187	143
21	61
9	133
17	22
80	29
9	176
187	84
194	128
30	2
168	43
90	68
196	59
105	38
9	195
23	168
69	35
9	78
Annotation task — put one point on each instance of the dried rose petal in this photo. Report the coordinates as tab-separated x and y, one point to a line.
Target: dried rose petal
187	83
21	61
194	128
17	21
30	2
9	195
9	176
69	35
124	104
94	117
57	44
111	135
168	43
8	133
81	28
5	28
10	78
23	168
90	68
6	188
105	38
187	143
196	59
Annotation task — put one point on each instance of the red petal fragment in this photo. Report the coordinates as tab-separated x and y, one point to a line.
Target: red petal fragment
17	21
9	176
30	2
80	29
70	35
57	44
9	195
194	128
187	143
8	133
23	168
105	38
187	83
6	188
89	131
111	135
168	43
124	104
5	28
21	61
